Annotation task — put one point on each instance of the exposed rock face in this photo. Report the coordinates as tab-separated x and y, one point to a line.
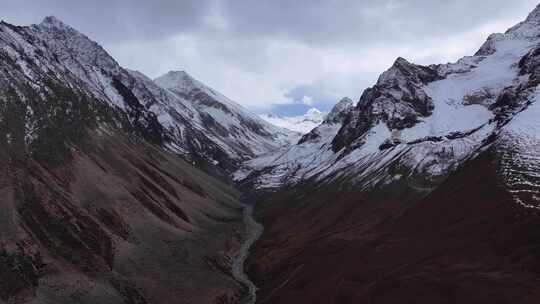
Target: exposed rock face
340	111
336	117
397	99
530	65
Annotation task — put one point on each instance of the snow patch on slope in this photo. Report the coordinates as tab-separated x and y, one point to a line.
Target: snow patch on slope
520	149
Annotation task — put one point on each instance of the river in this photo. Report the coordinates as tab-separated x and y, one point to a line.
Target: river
254	231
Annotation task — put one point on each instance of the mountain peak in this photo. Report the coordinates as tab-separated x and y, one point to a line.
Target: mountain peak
180	73
76	48
52	21
402	70
344	101
301	123
401	61
176	79
340	110
530	28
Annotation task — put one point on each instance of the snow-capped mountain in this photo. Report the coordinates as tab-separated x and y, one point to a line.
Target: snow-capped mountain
282	165
240	134
418	123
302	123
95	207
181	112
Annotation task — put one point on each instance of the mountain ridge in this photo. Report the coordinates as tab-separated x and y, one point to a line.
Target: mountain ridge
177	113
427	119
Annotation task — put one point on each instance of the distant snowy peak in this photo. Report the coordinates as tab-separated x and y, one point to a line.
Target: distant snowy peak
184	85
273	170
239	132
302	123
206	99
313	113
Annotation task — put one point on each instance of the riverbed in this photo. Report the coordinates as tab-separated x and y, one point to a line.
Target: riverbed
254	231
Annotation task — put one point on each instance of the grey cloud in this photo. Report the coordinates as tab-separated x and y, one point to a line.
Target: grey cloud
362	22
261	52
114	20
314	21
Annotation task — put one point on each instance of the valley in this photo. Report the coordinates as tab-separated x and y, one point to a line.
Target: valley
119	188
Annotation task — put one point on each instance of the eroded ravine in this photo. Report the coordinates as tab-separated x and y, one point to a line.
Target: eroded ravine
254	231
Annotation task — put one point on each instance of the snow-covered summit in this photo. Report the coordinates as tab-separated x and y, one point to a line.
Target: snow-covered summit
182	83
52	21
314	114
179	80
176	79
301	123
522	33
73	47
340	111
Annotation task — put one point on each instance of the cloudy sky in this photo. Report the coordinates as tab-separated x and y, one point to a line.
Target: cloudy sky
279	55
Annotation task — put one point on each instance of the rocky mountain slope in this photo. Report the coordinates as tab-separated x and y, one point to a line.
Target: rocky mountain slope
236	132
98	205
425	192
302	123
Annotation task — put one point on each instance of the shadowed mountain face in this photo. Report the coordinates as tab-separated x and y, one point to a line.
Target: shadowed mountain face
94	210
465	242
115	222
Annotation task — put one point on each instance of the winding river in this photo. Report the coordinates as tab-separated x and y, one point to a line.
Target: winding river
254	231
